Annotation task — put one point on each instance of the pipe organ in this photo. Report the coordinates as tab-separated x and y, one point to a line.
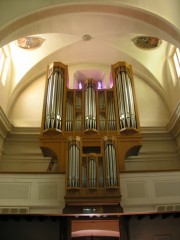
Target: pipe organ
90	131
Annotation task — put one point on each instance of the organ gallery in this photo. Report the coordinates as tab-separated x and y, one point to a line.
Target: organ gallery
88	131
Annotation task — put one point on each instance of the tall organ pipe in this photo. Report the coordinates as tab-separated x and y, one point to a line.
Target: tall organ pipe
90	107
92	172
111	116
69	116
54	101
48	103
132	109
127	118
111	164
73	164
84	173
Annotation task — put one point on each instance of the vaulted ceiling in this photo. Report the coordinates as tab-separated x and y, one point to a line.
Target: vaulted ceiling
112	26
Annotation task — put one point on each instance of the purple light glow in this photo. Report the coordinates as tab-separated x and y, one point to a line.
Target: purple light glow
99	85
80	85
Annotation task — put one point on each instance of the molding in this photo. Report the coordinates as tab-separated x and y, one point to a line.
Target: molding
155	134
26	130
5	125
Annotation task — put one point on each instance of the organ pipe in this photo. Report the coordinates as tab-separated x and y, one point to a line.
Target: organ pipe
110	163
78	106
92	172
84	172
111	112
125	99
69	117
100	172
90	106
54	99
74	163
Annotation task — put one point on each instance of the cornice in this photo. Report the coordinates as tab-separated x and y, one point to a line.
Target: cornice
30	131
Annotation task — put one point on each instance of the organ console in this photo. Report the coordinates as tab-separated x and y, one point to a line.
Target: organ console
89	132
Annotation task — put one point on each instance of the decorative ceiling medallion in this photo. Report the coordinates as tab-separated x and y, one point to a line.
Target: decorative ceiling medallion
145	42
30	43
86	37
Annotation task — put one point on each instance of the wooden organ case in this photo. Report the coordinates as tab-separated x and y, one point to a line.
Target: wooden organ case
88	132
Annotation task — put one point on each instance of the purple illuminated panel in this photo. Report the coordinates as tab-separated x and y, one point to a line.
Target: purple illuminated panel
80	85
99	85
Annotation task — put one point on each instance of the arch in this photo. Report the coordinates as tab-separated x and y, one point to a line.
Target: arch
171	33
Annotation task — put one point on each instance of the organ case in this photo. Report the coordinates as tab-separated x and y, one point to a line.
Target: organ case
88	132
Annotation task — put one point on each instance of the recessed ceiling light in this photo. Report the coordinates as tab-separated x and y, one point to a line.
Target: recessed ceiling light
86	37
146	42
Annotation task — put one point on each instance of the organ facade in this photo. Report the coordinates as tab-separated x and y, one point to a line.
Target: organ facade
88	132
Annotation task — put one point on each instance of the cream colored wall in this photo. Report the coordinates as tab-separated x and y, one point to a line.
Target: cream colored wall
27	108
41	193
44	193
171	81
5	90
151	107
150	191
158	152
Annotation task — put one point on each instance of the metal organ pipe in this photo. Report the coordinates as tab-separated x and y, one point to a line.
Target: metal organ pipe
90	107
84	167
100	175
92	172
132	108
73	164
102	121
78	117
93	109
58	104
48	103
111	164
125	96
69	116
69	167
125	99
107	167
77	166
86	109
55	99
114	165
61	87
111	116
120	99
